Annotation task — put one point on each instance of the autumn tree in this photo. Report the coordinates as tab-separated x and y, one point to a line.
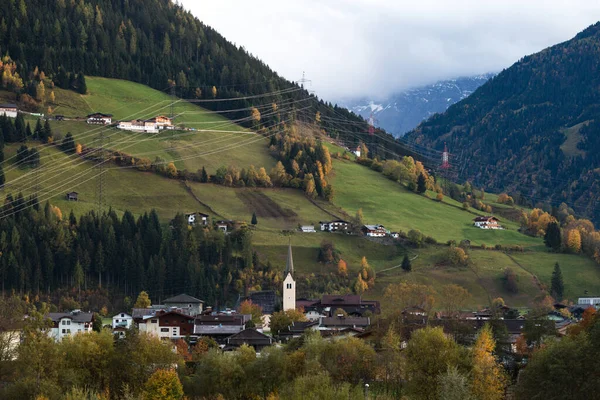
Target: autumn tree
248	308
163	384
453	298
367	272
342	268
574	241
282	319
457	255
429	353
401	295
213	91
557	286
143	300
510	280
453	385
488	379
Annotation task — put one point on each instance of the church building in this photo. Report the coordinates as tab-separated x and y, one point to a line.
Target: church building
289	284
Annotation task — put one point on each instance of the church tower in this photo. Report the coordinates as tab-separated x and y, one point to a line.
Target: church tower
289	284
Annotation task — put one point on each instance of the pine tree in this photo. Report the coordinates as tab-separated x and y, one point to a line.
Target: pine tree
254	219
406	264
557	286
204	176
552	238
81	85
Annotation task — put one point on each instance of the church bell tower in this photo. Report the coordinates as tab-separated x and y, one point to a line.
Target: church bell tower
289	284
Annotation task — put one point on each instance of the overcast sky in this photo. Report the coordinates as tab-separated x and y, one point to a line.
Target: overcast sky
356	48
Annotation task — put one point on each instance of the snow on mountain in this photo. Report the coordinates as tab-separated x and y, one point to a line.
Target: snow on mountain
405	110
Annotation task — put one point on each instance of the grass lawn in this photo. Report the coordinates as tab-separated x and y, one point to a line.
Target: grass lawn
579	272
384	202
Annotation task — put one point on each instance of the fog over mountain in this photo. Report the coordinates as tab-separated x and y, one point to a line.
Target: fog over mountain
403	111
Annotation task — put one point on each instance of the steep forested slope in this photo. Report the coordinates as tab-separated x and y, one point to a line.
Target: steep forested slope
532	129
157	43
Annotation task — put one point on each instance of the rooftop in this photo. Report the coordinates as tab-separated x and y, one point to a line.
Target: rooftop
182	298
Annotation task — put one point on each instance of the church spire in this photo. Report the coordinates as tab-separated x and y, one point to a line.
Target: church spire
289	266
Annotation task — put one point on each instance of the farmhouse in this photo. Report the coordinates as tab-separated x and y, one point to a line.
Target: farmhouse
138	126
374	230
589	301
196	218
250	337
72	196
122	320
220	326
161	122
308	229
352	304
191	305
9	110
334	226
67	324
168	325
487	222
99	119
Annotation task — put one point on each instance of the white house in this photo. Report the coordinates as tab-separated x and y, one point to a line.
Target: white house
196	218
67	324
122	320
589	301
188	304
374	230
9	110
487	222
99	119
138	126
357	151
308	229
334	226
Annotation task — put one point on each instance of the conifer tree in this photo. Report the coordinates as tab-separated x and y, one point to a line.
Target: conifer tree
406	264
557	285
421	184
254	219
552	238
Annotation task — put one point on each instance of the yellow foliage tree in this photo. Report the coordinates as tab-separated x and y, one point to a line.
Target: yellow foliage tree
488	379
342	268
78	148
52	98
57	212
439	196
574	241
143	300
317	117
214	92
171	170
163	384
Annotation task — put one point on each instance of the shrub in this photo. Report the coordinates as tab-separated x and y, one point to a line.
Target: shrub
430	240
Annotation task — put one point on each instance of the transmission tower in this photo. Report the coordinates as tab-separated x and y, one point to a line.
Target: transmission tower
372	122
100	179
445	167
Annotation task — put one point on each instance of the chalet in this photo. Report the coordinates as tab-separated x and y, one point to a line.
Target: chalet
67	324
589	301
9	110
297	329
192	305
138	126
122	320
374	230
250	337
99	119
341	322
487	222
335	226
197	218
72	196
161	122
220	326
224	225
308	229
353	305
168	325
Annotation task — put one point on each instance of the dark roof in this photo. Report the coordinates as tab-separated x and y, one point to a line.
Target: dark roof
266	299
346	321
222	319
340	332
182	298
209	330
304	303
75	316
8	105
75	193
302	326
289	266
251	337
99	115
339	300
486	218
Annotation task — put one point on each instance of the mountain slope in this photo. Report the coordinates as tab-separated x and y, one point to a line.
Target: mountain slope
530	129
403	111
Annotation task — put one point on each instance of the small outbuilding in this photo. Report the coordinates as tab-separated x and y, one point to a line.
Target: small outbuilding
72	196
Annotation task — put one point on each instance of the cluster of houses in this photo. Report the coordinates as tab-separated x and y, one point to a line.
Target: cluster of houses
151	125
339	225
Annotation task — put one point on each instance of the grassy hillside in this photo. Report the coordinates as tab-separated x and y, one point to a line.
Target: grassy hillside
215	141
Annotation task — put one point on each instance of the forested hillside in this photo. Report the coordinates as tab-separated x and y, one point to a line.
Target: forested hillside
533	129
160	44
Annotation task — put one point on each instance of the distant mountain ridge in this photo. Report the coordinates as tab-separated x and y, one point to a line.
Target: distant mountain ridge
532	130
403	111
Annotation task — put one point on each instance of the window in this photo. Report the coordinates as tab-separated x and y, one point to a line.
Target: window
288	286
164	330
68	322
154	321
122	315
64	331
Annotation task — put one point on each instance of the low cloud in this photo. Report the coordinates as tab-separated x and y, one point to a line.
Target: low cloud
373	48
